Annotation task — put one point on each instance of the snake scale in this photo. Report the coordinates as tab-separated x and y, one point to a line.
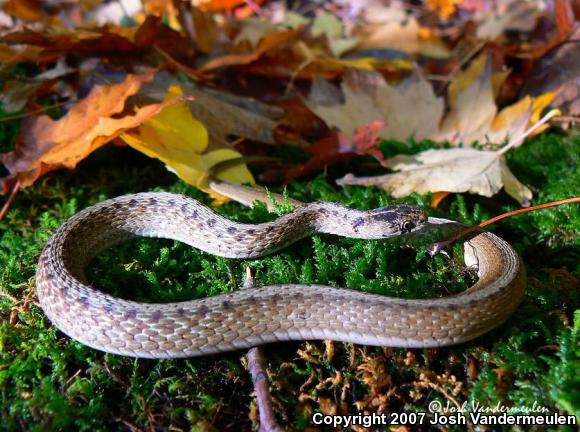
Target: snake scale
260	315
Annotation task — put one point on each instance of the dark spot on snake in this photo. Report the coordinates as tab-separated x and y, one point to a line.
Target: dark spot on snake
251	231
194	214
358	222
219	235
335	213
171	202
84	301
180	312
386	216
318	296
184	208
276	297
152	201
131	313
108	308
302	315
203	309
226	305
117	205
211	222
232	230
239	238
157	315
251	299
132	202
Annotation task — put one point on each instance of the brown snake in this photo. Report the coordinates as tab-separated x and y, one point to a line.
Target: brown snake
256	316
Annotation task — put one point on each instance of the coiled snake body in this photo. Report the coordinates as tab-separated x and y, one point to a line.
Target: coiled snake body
251	317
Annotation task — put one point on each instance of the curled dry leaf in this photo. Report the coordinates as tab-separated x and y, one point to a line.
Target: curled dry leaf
179	140
45	144
226	116
450	170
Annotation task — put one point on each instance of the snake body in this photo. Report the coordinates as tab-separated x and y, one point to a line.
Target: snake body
256	316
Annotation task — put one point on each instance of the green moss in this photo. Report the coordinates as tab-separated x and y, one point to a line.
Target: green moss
49	382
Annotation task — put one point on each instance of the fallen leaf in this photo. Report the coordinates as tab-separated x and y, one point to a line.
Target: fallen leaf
401	32
16	93
330	150
268	42
473	115
471	104
27	10
104	41
518	15
180	141
226	116
409	109
447	170
328	25
45	144
559	70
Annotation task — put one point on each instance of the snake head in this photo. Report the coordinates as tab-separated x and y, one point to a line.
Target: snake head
391	221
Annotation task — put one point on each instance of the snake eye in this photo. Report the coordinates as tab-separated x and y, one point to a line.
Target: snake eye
407	226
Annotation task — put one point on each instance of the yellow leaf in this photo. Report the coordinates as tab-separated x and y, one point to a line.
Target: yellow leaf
541	103
465	79
180	141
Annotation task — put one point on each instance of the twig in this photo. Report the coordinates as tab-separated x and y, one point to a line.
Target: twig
13	193
514	142
31	113
260	379
435	248
566	119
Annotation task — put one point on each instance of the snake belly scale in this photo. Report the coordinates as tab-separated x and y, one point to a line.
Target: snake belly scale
260	315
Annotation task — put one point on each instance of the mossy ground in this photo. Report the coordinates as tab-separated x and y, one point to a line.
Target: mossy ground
49	382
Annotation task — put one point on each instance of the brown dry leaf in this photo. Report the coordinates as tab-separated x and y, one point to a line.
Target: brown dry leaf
471	104
268	42
559	69
412	109
46	144
473	113
450	170
393	28
511	15
17	93
368	98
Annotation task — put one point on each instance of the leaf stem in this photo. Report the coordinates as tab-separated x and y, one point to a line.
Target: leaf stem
514	142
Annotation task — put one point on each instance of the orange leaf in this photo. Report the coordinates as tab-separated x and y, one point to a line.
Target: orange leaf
45	144
27	10
437	197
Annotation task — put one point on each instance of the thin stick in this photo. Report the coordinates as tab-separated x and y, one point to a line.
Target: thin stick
435	248
6	206
566	119
260	379
31	113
